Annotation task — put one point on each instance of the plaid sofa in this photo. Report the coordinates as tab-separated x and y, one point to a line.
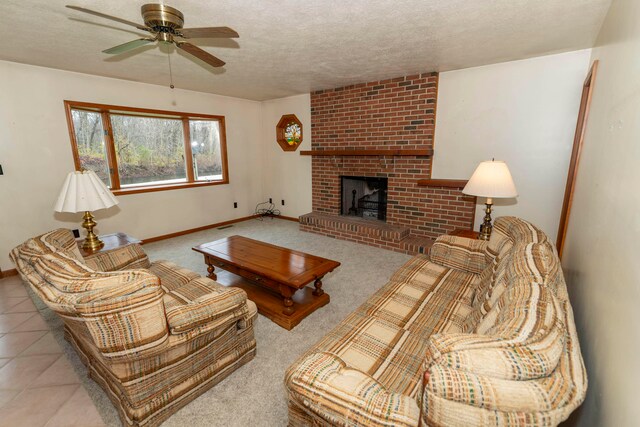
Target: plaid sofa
155	336
476	333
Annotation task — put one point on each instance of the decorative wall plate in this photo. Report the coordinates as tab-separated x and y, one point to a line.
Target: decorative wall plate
289	132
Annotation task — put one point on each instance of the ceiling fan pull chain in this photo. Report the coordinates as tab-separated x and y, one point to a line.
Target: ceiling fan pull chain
170	72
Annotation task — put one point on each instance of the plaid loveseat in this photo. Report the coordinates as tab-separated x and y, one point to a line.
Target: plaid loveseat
153	335
476	333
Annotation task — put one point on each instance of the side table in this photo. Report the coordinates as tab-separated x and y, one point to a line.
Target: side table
469	234
111	241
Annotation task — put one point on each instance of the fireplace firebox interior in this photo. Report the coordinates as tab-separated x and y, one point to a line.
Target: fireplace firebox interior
365	197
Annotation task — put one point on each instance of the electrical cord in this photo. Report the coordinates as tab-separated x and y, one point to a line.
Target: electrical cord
266	209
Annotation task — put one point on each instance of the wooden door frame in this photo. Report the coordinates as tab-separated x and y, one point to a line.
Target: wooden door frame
578	140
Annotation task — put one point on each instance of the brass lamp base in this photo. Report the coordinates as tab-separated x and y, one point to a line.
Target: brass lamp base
92	243
486	228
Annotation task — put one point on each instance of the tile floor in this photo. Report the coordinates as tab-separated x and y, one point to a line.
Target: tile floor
38	386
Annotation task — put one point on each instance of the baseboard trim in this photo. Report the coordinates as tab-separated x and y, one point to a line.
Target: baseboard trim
8	273
195	230
288	218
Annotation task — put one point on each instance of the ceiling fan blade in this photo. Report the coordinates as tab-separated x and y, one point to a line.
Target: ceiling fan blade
124	47
113	18
201	54
208	32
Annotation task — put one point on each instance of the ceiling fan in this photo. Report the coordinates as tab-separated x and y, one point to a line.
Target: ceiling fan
165	25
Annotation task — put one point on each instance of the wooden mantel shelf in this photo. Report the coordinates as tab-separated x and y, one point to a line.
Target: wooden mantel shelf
427	152
452	183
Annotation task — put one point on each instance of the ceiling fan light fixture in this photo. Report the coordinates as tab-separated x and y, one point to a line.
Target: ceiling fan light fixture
164	23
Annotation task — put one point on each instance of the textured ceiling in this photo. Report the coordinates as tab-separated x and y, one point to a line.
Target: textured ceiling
288	47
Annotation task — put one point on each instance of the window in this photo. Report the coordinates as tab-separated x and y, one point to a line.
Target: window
134	150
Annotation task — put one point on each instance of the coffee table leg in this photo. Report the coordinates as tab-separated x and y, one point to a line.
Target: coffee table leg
318	285
210	270
287	293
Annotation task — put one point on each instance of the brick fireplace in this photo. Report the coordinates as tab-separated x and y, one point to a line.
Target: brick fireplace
396	118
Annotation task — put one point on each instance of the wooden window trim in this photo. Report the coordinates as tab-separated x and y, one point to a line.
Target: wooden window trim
106	110
111	150
165	187
186	131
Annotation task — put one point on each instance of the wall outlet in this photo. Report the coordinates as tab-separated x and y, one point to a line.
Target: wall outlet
76	233
1	173
282	202
235	205
270	200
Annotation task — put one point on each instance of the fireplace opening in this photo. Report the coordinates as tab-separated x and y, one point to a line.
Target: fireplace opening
364	196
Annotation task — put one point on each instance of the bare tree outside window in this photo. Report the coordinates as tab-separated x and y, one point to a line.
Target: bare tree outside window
205	146
149	150
90	140
137	150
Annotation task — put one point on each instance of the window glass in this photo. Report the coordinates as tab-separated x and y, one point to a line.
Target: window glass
92	150
205	148
135	150
149	150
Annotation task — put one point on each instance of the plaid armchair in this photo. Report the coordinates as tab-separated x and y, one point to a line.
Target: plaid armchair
153	335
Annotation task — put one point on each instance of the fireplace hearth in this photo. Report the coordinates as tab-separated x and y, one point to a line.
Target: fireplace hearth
364	197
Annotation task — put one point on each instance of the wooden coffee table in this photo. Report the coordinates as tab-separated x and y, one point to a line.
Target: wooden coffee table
273	277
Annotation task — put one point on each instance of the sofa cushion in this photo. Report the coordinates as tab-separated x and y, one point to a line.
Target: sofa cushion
127	257
63	240
538	262
424	297
171	275
387	353
492	283
498	249
517	230
420	273
324	385
460	253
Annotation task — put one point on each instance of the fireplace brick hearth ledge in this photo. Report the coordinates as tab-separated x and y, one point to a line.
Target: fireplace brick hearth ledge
370	232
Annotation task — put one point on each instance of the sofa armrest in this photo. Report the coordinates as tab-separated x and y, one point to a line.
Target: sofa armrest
126	317
128	257
501	358
218	307
459	253
323	385
526	341
453	397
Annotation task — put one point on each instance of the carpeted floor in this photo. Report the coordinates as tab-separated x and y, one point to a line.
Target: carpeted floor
254	394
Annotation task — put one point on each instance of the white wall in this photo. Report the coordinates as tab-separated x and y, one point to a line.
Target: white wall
35	154
286	174
523	112
602	252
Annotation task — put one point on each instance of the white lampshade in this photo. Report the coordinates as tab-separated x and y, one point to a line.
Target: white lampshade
491	179
84	191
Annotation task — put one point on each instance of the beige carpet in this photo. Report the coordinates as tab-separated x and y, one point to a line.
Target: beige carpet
254	395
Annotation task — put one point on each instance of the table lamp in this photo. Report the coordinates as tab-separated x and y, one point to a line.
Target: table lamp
492	180
84	192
